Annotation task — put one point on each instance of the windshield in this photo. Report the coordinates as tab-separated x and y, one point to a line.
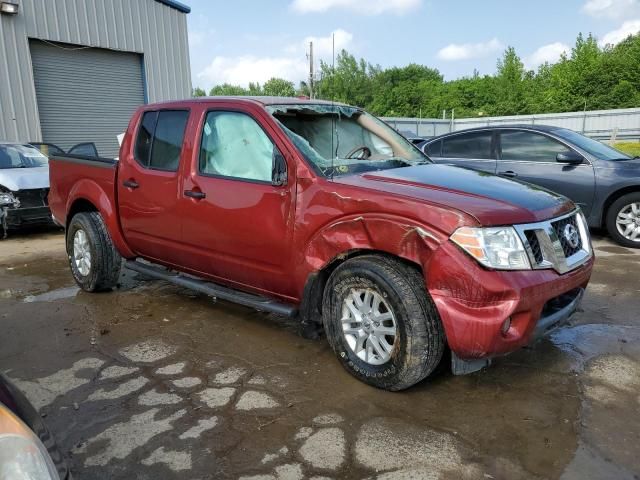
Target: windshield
21	156
589	145
339	140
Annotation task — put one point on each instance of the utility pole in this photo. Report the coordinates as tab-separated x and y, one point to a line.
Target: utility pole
311	75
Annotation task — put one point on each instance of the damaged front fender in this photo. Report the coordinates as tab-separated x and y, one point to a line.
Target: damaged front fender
382	233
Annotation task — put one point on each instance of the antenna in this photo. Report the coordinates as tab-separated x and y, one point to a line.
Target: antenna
311	74
335	125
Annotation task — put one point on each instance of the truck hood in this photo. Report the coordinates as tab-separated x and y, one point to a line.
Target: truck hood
15	179
490	199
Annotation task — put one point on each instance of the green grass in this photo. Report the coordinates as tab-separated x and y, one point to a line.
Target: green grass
630	148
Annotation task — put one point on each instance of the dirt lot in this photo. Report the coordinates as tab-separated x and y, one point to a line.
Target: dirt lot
154	382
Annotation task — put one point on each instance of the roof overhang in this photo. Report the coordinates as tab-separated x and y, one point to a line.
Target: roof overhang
177	5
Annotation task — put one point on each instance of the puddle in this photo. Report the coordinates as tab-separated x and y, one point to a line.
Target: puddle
585	342
59	294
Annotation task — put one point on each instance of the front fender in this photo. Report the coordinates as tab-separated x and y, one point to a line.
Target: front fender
90	191
396	236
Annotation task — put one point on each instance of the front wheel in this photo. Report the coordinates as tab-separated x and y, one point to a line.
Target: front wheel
95	263
381	322
623	220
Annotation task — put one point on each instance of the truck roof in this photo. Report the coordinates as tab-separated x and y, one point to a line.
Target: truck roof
256	99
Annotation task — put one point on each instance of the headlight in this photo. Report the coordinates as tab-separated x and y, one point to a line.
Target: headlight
22	455
7	199
495	247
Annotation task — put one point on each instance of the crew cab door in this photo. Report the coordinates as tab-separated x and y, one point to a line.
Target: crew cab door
531	157
149	186
474	150
237	222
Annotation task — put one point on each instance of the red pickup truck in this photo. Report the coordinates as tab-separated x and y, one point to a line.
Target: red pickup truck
322	212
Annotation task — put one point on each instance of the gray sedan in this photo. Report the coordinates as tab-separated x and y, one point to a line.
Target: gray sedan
602	180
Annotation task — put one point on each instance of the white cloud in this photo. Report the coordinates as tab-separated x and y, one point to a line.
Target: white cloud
291	65
616	36
249	68
615	9
365	7
546	54
467	51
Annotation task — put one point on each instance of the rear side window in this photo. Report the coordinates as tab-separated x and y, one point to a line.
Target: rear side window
160	138
470	145
434	149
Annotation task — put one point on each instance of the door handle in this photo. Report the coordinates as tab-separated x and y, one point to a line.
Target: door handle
195	194
132	184
508	173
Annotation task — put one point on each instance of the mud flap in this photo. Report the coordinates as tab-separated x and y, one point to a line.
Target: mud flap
464	367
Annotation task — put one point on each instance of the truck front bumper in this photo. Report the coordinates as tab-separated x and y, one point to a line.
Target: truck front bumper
487	313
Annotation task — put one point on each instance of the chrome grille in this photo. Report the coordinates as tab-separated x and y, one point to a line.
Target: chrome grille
550	245
560	227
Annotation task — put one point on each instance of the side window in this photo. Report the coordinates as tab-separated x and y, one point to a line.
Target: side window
160	137
434	149
234	145
470	145
145	137
530	147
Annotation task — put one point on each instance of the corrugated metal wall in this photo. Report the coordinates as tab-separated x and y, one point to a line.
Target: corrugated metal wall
74	107
600	124
153	29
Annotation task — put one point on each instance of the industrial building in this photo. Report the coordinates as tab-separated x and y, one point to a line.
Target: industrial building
73	71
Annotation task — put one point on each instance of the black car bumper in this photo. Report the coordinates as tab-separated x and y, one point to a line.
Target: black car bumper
18	217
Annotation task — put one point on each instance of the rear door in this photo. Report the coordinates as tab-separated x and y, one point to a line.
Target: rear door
149	186
531	157
474	150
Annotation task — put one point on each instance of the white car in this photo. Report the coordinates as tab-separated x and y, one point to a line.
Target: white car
24	187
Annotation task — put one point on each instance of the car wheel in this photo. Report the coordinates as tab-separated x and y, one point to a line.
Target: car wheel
94	261
381	322
623	220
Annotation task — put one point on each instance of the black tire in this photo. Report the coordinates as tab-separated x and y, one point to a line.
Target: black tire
612	214
106	262
419	341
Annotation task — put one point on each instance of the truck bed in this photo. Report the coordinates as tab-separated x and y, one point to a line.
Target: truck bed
69	173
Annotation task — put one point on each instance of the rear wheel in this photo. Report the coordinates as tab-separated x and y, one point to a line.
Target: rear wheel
623	220
381	322
95	263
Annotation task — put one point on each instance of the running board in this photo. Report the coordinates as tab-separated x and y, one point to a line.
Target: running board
263	304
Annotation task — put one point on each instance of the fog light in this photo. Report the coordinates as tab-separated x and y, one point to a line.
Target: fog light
506	325
8	8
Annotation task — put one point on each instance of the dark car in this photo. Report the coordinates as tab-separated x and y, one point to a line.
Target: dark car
27	449
603	181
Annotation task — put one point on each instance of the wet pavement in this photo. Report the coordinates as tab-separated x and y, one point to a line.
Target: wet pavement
152	381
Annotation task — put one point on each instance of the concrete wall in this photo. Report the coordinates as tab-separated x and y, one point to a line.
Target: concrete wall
154	29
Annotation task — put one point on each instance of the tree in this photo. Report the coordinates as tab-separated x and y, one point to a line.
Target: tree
510	81
589	77
198	92
278	87
227	89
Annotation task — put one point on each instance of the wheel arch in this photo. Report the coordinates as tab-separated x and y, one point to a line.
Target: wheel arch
407	241
88	196
612	198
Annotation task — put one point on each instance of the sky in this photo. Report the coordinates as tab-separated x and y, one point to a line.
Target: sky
244	41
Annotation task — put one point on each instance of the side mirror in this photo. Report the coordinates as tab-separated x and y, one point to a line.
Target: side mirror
279	173
571	158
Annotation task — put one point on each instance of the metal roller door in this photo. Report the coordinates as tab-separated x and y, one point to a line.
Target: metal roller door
85	94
